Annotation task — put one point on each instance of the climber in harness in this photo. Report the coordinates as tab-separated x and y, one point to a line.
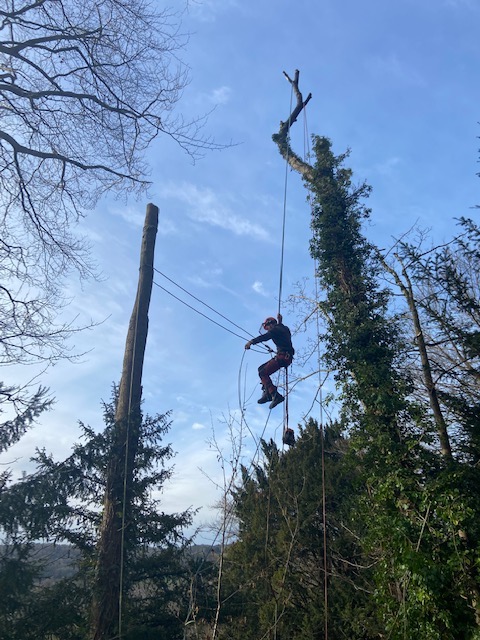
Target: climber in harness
281	336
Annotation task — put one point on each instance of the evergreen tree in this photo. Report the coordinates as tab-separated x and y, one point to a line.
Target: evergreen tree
417	516
423	574
21	409
61	502
275	571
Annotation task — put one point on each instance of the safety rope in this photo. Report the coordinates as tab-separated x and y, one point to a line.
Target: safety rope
282	253
322	439
285	426
284	208
322	428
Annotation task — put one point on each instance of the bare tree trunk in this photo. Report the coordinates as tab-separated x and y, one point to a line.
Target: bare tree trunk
442	431
107	599
407	290
281	138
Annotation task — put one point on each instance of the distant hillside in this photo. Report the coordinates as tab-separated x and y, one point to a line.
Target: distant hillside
60	559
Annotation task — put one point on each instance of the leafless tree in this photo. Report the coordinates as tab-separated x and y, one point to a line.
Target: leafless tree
85	87
441	285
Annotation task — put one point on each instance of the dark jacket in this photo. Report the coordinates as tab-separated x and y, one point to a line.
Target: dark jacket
280	335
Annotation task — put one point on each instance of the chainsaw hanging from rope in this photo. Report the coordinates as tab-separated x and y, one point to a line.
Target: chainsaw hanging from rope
281	336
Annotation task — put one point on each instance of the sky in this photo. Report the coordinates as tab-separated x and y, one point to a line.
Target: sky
396	83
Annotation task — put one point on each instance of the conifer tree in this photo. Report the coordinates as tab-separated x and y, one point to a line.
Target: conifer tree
60	503
21	408
275	572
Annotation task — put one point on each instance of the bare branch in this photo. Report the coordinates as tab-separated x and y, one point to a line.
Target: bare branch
85	87
281	138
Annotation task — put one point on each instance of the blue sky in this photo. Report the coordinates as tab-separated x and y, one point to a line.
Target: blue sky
396	82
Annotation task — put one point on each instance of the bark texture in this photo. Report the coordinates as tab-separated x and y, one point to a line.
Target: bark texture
107	601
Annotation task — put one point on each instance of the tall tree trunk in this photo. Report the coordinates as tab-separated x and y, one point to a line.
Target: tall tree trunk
107	599
349	287
407	290
445	447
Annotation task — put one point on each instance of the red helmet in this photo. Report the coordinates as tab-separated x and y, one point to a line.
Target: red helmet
267	322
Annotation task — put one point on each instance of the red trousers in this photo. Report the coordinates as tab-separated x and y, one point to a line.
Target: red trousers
266	369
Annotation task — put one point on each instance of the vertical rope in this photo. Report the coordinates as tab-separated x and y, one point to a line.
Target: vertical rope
280	286
285	427
306	143
284	208
324	522
322	436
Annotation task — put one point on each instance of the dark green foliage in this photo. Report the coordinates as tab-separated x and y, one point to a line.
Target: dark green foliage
361	343
416	505
275	572
415	502
23	409
17	576
62	502
31	606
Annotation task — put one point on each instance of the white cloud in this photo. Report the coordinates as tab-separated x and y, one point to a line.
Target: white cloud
257	286
197	426
221	95
203	205
133	215
208	278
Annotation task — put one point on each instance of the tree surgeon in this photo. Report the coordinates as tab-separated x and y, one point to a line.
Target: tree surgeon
282	338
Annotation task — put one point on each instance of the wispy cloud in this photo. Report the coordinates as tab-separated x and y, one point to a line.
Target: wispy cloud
208	278
388	166
131	214
220	95
209	100
204	205
258	287
197	426
135	217
462	4
207	10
